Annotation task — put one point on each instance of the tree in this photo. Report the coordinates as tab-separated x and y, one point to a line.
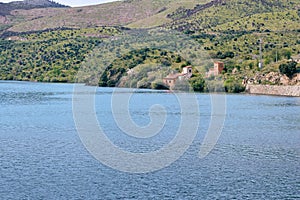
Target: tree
288	69
234	86
197	83
158	85
287	53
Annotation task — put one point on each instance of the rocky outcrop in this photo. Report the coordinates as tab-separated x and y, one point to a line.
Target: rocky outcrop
3	20
273	78
273	83
293	91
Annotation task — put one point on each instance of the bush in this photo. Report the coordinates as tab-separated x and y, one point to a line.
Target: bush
198	84
158	85
288	69
214	86
182	86
233	86
225	55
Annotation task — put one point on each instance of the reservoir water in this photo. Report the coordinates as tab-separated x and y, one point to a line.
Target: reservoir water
42	157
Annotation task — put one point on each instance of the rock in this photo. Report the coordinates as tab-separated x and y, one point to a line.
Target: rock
235	70
284	80
295	79
273	77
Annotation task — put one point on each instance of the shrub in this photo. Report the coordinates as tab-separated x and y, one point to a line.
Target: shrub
233	86
158	85
182	86
197	83
214	86
288	69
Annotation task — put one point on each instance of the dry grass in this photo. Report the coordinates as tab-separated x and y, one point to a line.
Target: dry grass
110	14
133	14
160	18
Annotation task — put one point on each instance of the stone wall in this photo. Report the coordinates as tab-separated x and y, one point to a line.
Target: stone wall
293	91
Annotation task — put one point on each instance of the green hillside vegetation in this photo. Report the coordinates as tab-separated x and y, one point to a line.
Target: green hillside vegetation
231	31
147	65
161	17
53	56
225	11
128	62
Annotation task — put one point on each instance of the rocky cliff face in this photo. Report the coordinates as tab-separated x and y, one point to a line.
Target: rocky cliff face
273	83
273	78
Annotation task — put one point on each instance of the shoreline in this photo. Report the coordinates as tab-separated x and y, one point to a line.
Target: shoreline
268	90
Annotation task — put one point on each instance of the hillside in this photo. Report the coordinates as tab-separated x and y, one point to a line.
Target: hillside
8	11
118	13
161	17
231	31
218	12
53	56
6	8
133	14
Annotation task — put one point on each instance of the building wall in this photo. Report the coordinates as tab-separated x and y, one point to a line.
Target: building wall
274	90
187	70
169	82
218	68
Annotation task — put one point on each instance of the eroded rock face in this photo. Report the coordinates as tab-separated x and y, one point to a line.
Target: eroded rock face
3	20
273	78
295	80
284	80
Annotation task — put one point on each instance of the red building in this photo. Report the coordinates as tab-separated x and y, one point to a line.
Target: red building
218	68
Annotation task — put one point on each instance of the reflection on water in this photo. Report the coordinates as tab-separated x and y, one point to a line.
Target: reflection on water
41	156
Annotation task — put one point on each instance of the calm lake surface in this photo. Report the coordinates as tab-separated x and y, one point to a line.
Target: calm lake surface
42	157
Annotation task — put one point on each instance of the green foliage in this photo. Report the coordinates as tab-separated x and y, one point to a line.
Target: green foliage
146	65
182	86
228	54
231	31
158	85
53	56
212	14
197	83
288	69
229	68
215	85
234	86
